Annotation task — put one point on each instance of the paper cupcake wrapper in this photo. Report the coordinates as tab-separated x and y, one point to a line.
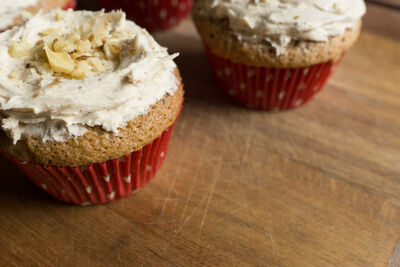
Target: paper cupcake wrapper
266	88
152	14
102	182
71	4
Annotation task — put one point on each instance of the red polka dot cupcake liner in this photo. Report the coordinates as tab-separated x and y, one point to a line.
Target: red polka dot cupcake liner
102	182
267	88
71	4
153	15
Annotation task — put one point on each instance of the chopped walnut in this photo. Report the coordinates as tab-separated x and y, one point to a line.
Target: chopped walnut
88	50
60	61
19	49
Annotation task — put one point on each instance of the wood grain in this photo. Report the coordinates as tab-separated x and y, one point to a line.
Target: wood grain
393	4
383	21
316	186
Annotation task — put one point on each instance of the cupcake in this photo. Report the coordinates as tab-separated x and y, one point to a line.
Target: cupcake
14	12
154	15
88	101
275	54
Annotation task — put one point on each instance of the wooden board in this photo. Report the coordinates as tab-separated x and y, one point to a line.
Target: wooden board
316	186
388	3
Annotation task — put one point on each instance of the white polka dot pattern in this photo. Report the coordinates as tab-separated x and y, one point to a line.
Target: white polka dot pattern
148	168
163	13
251	73
111	195
89	189
127	179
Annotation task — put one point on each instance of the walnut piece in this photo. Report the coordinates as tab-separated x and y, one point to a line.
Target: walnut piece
20	49
88	50
60	61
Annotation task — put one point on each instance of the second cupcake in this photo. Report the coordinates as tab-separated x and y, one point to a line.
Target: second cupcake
14	12
88	101
275	54
154	15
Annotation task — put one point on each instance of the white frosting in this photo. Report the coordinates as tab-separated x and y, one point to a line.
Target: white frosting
39	106
10	9
281	21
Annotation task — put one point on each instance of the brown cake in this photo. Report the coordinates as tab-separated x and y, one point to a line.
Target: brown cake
221	41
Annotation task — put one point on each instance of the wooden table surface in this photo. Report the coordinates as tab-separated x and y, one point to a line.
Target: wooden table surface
316	186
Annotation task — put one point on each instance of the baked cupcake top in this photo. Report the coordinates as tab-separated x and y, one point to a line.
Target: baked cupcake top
282	21
62	71
10	9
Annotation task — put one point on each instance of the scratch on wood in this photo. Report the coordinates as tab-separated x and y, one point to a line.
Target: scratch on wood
195	176
172	199
210	193
73	235
171	186
394	260
166	200
270	232
119	257
247	146
237	211
187	219
232	253
333	186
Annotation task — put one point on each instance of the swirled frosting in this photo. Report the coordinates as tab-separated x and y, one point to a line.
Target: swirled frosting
281	21
10	9
52	87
